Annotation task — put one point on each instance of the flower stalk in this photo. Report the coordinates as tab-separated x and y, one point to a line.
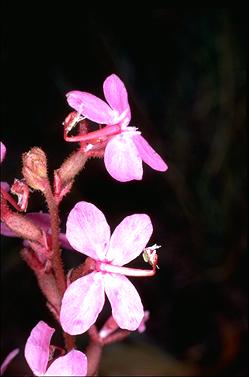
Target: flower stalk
107	267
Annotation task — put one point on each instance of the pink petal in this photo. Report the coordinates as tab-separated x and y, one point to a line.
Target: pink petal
5	231
8	360
148	154
2	151
87	230
43	221
64	242
129	239
82	303
91	107
37	348
142	326
116	95
127	308
5	186
72	364
122	160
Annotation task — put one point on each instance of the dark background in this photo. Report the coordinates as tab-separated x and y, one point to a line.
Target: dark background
185	75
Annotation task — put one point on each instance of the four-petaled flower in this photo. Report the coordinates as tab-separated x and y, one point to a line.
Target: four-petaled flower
126	148
74	363
89	233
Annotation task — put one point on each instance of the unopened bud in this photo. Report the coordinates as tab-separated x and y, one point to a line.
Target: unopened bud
22	226
35	169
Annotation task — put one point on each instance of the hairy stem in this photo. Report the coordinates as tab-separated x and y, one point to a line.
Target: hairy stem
55	230
56	256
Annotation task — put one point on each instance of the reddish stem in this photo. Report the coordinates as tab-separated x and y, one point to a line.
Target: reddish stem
56	256
55	230
94	351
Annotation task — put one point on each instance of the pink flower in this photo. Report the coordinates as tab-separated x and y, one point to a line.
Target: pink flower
142	326
3	185
89	233
74	363
8	360
2	151
126	150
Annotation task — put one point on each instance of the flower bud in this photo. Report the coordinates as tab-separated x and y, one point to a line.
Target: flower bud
21	226
35	169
